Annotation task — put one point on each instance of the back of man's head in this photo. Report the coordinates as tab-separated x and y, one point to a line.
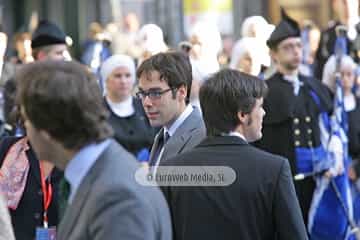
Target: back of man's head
174	68
63	99
224	95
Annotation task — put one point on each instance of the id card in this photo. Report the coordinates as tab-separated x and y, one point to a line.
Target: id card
46	233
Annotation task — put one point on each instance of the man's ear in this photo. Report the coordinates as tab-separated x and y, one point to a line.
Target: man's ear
273	55
242	117
41	55
182	91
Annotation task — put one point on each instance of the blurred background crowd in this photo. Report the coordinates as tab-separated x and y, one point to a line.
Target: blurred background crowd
113	37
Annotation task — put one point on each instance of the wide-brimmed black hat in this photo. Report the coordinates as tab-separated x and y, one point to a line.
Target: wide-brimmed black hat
286	28
47	33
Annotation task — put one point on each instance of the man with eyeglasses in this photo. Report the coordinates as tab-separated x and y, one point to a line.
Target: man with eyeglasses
293	105
164	89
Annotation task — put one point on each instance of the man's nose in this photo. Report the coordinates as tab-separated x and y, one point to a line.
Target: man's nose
146	101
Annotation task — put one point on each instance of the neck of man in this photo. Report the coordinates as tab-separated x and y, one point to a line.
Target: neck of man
240	129
181	110
62	157
287	71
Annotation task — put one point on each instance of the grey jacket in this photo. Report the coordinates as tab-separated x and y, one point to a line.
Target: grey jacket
110	204
189	134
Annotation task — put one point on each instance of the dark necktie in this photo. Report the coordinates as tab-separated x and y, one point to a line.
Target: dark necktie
64	193
163	138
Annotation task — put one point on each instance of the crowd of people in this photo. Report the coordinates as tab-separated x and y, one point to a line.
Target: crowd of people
280	108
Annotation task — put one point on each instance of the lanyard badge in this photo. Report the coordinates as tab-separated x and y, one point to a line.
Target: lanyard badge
45	233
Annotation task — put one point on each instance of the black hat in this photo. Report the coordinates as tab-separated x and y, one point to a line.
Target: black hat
47	33
285	29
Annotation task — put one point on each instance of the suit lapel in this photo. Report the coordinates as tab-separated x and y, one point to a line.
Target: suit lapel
74	209
182	135
154	146
176	143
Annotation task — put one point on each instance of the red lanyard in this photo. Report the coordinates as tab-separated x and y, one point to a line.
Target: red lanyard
47	194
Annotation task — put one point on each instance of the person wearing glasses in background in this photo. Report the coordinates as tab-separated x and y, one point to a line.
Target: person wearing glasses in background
164	89
293	105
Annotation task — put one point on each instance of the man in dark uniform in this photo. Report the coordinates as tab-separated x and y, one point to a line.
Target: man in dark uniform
347	12
49	42
292	107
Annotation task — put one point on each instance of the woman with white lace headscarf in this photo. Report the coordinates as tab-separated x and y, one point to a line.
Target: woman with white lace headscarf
127	117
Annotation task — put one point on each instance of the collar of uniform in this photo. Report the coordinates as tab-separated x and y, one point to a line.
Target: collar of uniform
291	78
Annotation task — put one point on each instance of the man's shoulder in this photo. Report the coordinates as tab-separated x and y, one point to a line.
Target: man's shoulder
319	91
112	185
115	171
247	153
113	149
193	126
195	118
277	83
270	157
115	165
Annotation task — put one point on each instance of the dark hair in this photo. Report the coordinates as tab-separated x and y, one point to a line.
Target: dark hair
174	68
63	98
226	93
10	116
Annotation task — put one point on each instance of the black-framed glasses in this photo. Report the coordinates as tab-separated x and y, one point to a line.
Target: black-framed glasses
153	94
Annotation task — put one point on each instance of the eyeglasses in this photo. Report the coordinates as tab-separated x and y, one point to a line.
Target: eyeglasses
291	46
153	94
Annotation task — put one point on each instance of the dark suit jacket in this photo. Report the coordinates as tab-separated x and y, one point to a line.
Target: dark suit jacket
110	204
29	213
261	203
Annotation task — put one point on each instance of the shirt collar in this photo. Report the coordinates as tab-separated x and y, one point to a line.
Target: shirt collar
188	110
122	109
291	78
237	134
81	163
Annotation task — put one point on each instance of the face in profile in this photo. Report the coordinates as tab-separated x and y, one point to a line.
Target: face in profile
253	123
57	52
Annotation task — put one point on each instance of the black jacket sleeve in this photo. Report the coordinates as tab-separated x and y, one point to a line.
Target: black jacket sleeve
287	209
